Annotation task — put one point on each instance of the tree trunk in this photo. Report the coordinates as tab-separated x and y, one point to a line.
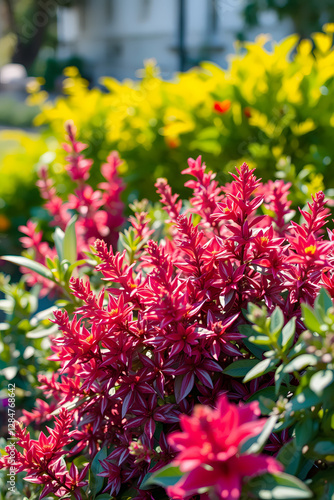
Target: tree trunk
11	24
31	34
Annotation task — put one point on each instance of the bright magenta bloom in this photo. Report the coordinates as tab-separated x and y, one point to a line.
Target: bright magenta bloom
209	449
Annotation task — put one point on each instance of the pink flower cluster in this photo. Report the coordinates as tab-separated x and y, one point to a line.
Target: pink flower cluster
209	449
155	342
100	212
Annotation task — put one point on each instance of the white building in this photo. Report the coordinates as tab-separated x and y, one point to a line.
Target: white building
114	37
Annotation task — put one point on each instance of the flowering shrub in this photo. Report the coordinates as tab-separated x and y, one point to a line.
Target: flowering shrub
99	214
171	330
85	215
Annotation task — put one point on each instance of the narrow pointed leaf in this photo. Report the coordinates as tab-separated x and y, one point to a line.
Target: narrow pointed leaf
310	319
29	264
58	238
287	335
300	363
261	368
167	476
276	321
240	368
95	481
70	241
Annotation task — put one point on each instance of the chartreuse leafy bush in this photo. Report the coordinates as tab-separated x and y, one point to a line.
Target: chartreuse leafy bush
272	107
194	355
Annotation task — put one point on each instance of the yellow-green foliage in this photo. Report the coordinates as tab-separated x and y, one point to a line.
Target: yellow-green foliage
278	114
20	154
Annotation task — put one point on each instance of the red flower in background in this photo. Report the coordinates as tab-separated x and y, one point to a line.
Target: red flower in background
222	106
209	450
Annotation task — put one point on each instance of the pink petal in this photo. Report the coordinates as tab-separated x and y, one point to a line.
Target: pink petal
192	482
253	465
229	487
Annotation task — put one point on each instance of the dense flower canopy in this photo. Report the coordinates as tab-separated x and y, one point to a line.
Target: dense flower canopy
136	355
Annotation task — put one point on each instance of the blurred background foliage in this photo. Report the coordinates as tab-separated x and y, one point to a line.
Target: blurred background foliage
272	107
30	36
307	16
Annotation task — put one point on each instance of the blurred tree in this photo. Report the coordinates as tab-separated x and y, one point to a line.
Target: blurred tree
33	23
7	48
307	16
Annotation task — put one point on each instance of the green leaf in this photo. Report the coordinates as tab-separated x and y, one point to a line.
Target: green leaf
208	133
254	349
304	468
322	448
289	455
9	372
74	265
240	368
320	380
300	363
266	393
104	496
146	483
298	348
327	422
260	368
6	305
280	377
70	241
58	238
29	264
167	476
304	431
276	321
256	443
71	405
266	398
208	146
24	325
287	335
279	487
42	332
304	400
310	319
260	340
42	315
52	265
248	331
322	303
95	481
80	461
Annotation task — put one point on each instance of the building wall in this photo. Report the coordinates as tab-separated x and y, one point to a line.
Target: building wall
114	37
